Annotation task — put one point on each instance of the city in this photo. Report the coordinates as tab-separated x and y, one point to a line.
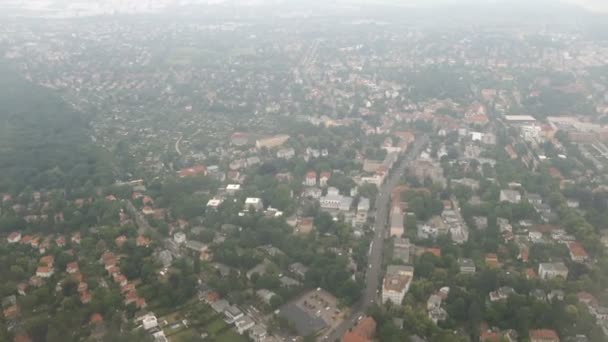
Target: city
272	173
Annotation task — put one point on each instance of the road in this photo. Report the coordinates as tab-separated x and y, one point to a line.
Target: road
142	223
179	140
372	276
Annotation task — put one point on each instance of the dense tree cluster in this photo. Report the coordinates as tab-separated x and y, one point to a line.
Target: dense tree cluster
45	143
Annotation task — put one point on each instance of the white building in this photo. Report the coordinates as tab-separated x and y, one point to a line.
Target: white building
254	202
425	231
149	321
232	314
159	336
362	210
334	201
324	178
376	179
243	324
179	237
511	196
331	200
258	333
286	153
552	270
14	237
476	136
396	283
214	203
233	188
310	179
467	266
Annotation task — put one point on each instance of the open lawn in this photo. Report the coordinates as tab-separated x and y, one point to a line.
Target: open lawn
215	326
187	335
231	336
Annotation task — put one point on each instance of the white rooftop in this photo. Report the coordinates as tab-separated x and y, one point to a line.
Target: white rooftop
519	118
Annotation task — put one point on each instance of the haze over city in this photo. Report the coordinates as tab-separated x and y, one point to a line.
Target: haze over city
290	170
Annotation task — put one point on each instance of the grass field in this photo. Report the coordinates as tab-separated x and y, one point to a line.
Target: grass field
215	326
231	336
201	319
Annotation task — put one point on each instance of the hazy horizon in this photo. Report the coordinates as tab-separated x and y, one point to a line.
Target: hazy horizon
100	7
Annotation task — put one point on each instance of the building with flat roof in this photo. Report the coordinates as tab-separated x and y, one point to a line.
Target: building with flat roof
467	266
396	283
362	210
520	119
552	270
511	196
312	312
334	201
254	202
364	331
397	221
272	142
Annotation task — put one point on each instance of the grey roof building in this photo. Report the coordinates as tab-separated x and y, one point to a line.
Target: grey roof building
305	323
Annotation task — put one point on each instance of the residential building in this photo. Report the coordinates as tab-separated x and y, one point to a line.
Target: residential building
265	295
179	237
501	294
258	333
492	260
310	179
232	314
362	210
434	302
577	252
401	250
253	202
466	182
272	142
324	178
534	198
14	237
397	221
511	196
314	193
426	231
259	269
334	201
286	153
44	271
426	168
192	171
364	331
437	315
298	269
233	188
149	321
552	270
467	266
289	282
543	335
243	324
396	283
72	267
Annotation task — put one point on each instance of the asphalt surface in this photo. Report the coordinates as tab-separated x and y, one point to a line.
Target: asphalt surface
372	276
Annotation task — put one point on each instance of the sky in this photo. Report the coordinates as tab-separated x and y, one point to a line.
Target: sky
592	5
598	6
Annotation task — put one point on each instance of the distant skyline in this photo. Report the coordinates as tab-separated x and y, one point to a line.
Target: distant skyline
96	7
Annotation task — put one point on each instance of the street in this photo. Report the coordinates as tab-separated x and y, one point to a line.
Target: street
372	276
